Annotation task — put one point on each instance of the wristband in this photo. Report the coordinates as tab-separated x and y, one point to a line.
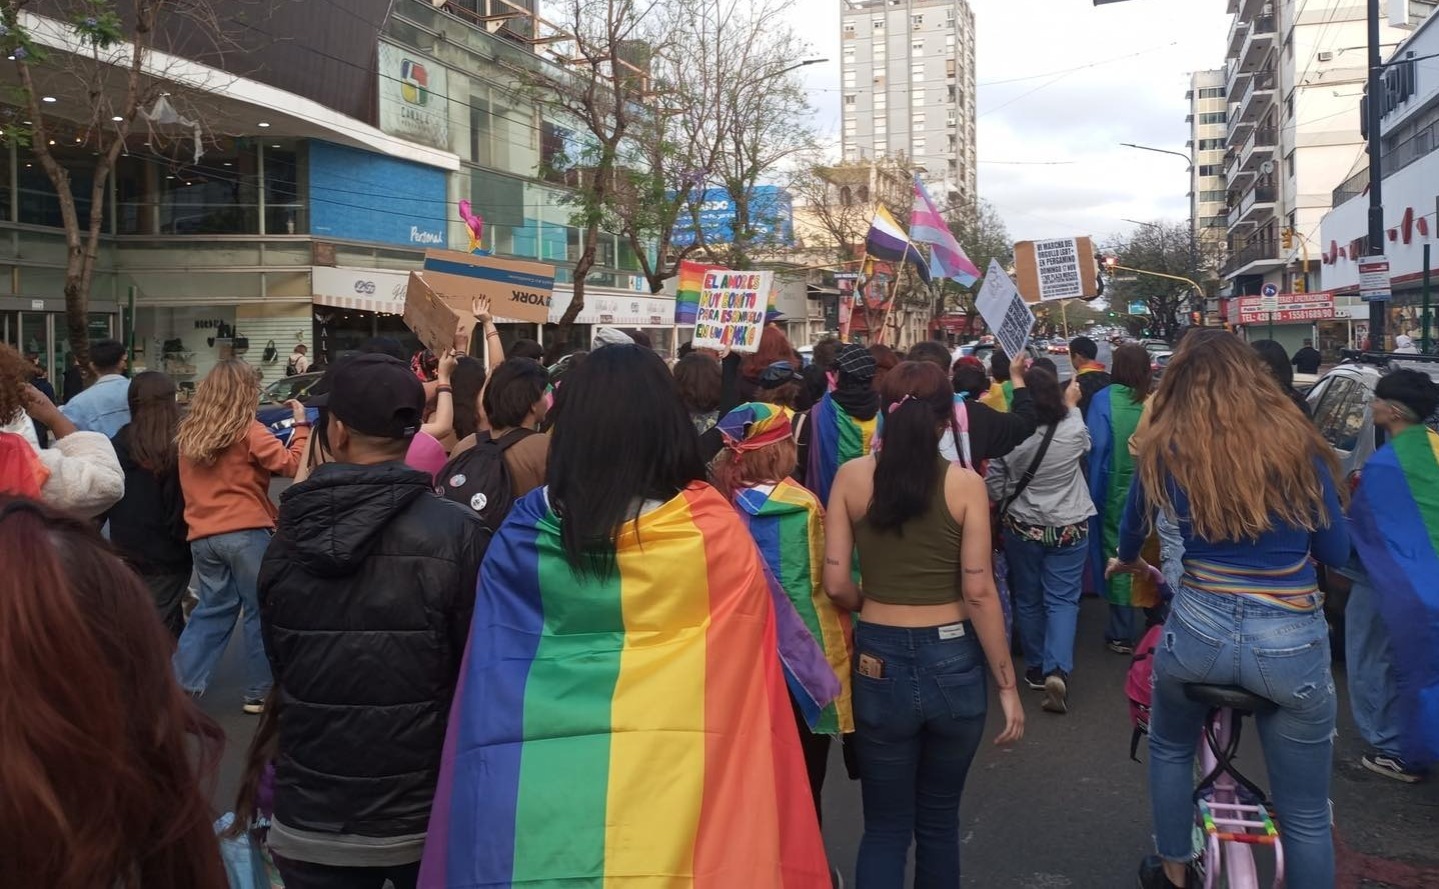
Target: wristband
493	333
302	424
442	389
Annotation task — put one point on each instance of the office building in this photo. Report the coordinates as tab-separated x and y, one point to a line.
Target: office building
908	89
1208	126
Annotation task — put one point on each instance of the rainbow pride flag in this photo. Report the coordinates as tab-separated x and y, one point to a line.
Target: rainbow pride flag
835	439
787	522
1395	524
687	291
1113	417
631	730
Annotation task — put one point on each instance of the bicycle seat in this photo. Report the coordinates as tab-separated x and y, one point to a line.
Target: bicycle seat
1228	696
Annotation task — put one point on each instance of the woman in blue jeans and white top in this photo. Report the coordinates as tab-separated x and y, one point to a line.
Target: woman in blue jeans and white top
1254	501
929	622
1046	507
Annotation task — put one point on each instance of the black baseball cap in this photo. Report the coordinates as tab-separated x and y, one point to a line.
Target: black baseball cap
375	394
777	374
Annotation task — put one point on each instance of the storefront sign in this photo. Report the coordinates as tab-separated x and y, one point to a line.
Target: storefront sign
517	289
1058	269
371	290
1374	278
362	196
731	310
427	316
1291	308
413	98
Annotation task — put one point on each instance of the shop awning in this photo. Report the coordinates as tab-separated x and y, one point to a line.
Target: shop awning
368	290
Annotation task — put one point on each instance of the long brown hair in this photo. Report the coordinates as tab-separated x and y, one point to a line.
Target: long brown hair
221	411
154	422
102	779
1133	368
1221	427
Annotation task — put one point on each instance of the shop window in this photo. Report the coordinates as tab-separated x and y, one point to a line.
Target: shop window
39	203
160	195
285	212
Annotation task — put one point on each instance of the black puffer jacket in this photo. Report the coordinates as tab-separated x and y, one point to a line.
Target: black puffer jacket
366	594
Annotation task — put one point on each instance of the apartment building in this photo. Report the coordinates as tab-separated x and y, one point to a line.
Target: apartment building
909	91
1208	128
1294	75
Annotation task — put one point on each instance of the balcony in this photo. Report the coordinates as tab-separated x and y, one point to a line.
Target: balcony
1255	206
1351	188
1257	42
1259	147
1258	97
1238	30
1261	254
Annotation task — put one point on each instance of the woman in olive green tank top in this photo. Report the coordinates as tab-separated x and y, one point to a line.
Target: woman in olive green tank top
930	628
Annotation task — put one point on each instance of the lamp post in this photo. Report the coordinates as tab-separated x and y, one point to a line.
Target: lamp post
1193	236
797	65
1374	108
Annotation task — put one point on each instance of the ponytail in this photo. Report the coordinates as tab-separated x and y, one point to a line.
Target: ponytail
918	403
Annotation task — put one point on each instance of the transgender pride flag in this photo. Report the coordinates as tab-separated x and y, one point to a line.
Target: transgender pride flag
946	257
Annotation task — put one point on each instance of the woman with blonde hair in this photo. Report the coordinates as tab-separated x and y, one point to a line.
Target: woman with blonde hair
1254	503
227	459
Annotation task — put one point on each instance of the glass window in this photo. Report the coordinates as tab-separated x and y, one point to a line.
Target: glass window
219	195
285	212
39	203
1339	413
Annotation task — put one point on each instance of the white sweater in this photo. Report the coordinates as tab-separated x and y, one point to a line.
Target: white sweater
85	475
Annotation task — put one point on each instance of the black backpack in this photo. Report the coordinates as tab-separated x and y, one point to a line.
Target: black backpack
480	479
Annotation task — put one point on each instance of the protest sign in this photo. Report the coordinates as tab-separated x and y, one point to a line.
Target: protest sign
517	290
1056	269
432	321
1004	310
731	309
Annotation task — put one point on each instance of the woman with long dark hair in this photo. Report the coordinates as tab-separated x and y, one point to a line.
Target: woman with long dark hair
148	526
100	769
1114	416
930	620
622	670
1276	362
1044	510
699	379
1248	611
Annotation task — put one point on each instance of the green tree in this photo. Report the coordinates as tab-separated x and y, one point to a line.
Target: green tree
1164	248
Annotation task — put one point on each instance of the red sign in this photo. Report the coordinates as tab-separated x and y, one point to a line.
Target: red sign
1292	307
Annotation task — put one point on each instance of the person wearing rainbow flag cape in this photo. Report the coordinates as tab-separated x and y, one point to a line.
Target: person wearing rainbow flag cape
787	523
1392	628
622	716
842	424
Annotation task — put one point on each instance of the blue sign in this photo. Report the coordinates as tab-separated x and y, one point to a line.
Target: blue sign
1270	290
361	196
771	213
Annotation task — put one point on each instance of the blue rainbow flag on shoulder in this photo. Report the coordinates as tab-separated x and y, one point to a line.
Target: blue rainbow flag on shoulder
1395	522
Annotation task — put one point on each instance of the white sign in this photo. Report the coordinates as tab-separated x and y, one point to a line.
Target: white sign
414	103
1057	263
372	290
732	309
1269	302
1004	310
1374	278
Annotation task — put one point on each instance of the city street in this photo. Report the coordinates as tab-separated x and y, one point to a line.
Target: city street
1065	807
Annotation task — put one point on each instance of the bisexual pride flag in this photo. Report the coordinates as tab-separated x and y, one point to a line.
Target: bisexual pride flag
631	730
1395	524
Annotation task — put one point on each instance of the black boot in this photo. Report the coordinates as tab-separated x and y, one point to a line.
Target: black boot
1152	876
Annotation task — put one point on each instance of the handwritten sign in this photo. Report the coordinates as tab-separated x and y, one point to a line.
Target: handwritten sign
431	320
731	309
1061	268
1004	310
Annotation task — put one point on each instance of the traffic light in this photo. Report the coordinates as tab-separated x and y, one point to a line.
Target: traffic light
1287	238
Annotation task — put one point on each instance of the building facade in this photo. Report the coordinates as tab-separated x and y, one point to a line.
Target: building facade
908	89
1208	128
317	191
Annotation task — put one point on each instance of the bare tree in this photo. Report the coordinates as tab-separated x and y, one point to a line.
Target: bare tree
103	64
982	233
1164	248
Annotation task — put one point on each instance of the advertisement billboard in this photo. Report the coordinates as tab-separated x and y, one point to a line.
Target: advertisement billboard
771	212
1290	308
414	104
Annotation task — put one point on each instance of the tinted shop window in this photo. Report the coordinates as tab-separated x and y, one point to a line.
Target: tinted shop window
285	210
217	196
39	203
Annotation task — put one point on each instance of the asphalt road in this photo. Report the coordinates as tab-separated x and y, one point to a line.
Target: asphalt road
1066	807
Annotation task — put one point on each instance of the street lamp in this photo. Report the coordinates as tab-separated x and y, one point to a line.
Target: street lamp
796	66
1193	238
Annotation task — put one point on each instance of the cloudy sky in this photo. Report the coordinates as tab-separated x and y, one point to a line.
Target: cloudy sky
1065	128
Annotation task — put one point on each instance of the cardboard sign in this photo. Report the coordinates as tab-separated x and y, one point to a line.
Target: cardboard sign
1004	310
1057	269
731	309
429	318
517	289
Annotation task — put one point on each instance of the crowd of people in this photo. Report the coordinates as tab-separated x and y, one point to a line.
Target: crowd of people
605	620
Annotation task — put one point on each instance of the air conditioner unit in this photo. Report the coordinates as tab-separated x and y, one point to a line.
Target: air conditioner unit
1326	57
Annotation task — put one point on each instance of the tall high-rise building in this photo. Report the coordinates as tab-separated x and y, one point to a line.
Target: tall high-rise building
908	88
1208	131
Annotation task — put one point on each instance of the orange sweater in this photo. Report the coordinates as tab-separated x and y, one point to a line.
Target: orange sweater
233	493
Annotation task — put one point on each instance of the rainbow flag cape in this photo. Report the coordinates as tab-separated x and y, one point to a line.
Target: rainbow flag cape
1395	524
687	290
1113	417
627	731
787	522
835	439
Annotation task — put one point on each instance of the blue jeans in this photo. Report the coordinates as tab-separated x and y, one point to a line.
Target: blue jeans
1122	622
917	727
1281	655
1046	584
227	566
1369	662
1171	549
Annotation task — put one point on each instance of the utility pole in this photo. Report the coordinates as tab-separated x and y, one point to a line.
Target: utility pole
1374	106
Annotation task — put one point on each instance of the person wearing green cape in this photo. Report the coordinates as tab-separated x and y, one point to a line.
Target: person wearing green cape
1113	416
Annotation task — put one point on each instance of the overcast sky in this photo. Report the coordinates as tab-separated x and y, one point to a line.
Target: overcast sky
1066	127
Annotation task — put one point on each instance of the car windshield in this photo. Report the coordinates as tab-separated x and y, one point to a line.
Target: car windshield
1157	347
286	388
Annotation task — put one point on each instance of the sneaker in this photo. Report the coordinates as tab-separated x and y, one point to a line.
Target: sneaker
254	708
1118	647
1056	692
1391	767
1034	678
1152	876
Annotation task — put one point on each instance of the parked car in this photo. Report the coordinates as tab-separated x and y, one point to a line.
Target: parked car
272	411
1058	346
1339	405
